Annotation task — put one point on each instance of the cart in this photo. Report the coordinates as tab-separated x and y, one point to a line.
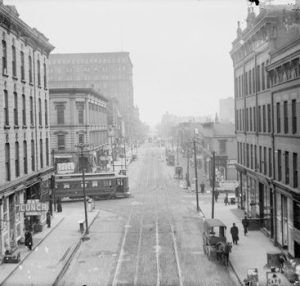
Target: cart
215	244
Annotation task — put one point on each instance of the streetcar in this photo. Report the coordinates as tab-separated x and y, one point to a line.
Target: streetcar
97	186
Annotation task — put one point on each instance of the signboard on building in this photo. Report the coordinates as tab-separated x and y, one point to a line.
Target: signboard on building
33	207
65	168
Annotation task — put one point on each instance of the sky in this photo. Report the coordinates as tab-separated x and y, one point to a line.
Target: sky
179	48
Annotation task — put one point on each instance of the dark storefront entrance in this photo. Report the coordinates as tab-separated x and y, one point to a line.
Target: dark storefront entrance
266	208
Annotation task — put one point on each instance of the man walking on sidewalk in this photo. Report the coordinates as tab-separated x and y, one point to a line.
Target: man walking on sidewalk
245	223
234	233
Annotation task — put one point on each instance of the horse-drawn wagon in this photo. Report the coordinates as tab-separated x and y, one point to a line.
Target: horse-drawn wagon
215	244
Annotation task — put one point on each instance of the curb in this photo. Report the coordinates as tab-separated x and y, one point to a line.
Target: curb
71	256
235	273
29	253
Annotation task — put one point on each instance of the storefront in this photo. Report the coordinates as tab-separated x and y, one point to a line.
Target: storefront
13	219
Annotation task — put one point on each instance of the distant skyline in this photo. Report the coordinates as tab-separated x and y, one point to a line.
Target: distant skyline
179	48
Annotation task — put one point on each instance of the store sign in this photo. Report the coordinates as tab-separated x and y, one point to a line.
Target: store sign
65	168
33	207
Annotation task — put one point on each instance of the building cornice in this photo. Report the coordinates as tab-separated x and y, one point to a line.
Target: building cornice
73	91
9	20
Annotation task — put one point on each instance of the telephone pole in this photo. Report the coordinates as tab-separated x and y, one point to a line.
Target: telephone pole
196	174
81	147
213	186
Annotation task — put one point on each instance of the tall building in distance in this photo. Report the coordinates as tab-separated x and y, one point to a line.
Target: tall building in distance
25	137
107	73
226	113
267	106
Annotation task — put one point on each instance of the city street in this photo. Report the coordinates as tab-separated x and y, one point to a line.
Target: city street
152	238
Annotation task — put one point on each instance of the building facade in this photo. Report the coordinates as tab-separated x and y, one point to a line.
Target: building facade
25	137
108	73
78	116
266	59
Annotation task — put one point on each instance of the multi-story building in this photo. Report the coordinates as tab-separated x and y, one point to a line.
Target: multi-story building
78	116
25	136
220	138
212	136
108	73
266	70
226	107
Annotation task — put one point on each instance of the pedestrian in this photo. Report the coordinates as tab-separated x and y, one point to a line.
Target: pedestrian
234	233
282	260
28	239
226	199
59	207
202	186
245	223
48	219
216	195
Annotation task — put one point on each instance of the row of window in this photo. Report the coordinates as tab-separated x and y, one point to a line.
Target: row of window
14	62
260	119
97	114
249	154
252	81
90	60
25	157
24	111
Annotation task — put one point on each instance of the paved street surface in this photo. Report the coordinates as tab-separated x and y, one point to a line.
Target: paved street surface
153	238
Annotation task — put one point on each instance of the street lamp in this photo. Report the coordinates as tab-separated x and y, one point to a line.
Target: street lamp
81	147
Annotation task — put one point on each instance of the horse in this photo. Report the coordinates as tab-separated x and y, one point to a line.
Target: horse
223	250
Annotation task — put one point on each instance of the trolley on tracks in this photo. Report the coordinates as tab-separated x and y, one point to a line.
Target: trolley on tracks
215	244
97	186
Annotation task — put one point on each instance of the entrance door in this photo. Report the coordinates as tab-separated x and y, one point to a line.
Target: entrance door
12	234
297	249
284	219
261	200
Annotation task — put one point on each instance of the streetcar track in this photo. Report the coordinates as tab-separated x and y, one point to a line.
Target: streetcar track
138	253
114	283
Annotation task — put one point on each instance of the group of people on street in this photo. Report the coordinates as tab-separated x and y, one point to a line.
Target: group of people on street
234	230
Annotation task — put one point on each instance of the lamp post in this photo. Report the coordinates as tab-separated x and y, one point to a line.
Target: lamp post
81	146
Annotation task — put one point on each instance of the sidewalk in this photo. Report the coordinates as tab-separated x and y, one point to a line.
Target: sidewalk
51	251
251	252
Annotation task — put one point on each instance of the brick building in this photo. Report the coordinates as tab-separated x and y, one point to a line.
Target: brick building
78	116
266	71
108	73
25	136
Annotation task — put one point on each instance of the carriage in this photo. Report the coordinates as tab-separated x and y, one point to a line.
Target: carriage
215	244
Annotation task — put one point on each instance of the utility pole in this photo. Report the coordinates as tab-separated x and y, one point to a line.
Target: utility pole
188	167
52	199
81	146
85	209
112	153
196	174
125	152
213	186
